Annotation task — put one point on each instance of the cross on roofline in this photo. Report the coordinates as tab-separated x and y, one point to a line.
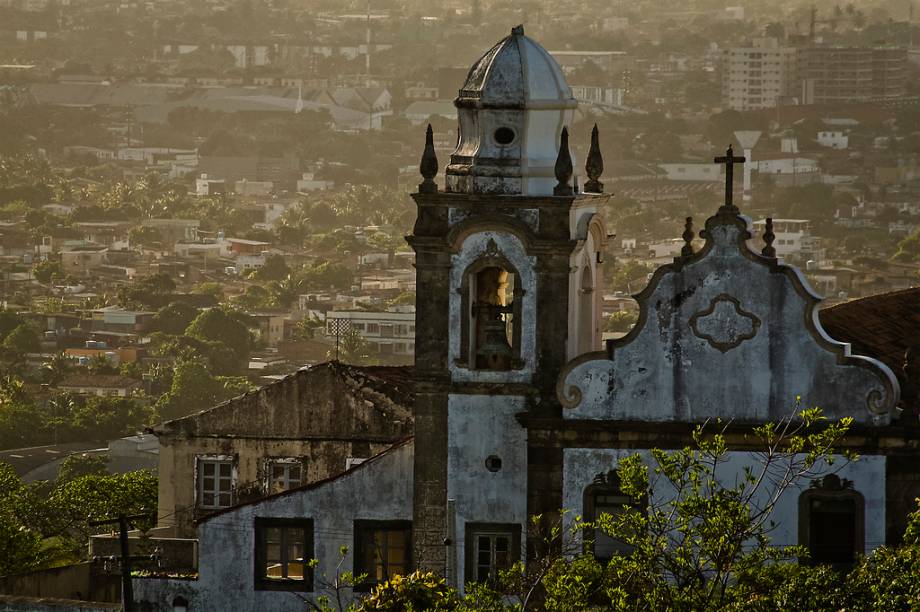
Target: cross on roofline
729	160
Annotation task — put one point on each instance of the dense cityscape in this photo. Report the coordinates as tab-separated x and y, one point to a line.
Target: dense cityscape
207	204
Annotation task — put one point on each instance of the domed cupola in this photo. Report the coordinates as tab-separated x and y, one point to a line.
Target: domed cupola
511	111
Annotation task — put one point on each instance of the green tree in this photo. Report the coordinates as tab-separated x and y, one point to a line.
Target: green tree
145	236
353	349
22	340
82	464
908	249
45	270
194	388
174	318
621	321
220	325
275	268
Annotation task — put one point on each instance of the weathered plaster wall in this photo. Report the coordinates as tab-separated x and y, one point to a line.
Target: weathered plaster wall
480	426
380	489
322	415
581	465
727	333
177	483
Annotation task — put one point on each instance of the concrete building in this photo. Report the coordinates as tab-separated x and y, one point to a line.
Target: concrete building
100	385
517	411
390	334
759	76
844	75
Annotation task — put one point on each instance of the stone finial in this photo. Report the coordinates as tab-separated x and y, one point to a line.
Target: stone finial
688	235
429	165
768	238
594	165
563	166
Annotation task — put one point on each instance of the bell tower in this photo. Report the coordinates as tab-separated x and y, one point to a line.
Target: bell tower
508	270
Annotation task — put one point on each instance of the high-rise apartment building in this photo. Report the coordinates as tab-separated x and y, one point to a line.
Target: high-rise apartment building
846	75
766	74
759	76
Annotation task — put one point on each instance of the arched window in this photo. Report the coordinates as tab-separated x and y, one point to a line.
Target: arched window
604	496
832	522
490	325
587	321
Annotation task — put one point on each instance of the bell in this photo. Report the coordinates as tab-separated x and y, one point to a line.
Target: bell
495	353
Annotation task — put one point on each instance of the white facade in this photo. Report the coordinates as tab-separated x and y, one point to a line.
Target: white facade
706	173
759	76
512	109
389	333
792	235
834	139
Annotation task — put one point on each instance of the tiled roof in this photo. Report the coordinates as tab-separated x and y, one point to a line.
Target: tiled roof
104	381
881	326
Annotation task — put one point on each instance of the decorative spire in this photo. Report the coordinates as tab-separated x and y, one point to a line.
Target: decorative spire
768	238
594	165
563	166
429	165
688	235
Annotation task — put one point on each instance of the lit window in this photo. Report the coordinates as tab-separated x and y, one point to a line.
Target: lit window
383	549
284	548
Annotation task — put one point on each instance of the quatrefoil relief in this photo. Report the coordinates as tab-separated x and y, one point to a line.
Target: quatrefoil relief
724	324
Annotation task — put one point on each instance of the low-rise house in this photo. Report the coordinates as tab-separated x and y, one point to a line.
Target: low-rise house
174	230
101	385
301	429
80	260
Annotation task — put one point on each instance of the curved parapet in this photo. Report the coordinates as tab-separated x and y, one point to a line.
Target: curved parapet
727	333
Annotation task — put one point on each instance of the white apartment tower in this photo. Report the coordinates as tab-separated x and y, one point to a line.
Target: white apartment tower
758	76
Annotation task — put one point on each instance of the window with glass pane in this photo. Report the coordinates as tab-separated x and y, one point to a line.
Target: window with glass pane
284	548
215	483
284	475
383	549
490	549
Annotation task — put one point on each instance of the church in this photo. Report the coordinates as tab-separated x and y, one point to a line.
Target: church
519	408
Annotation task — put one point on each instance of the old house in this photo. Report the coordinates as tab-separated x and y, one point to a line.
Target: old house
309	426
518	407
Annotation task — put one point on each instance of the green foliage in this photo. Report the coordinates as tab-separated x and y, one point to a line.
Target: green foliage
8	322
23	339
194	388
415	592
144	235
153	291
275	268
173	318
621	321
83	464
43	528
909	249
220	325
353	349
45	270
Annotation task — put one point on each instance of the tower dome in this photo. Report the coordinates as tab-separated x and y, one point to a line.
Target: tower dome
511	111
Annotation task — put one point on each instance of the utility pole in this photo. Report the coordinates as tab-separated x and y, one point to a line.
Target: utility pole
127	589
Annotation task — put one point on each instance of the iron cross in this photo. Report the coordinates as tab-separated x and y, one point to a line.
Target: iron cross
729	160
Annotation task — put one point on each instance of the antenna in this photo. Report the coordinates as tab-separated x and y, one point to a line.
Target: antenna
367	56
